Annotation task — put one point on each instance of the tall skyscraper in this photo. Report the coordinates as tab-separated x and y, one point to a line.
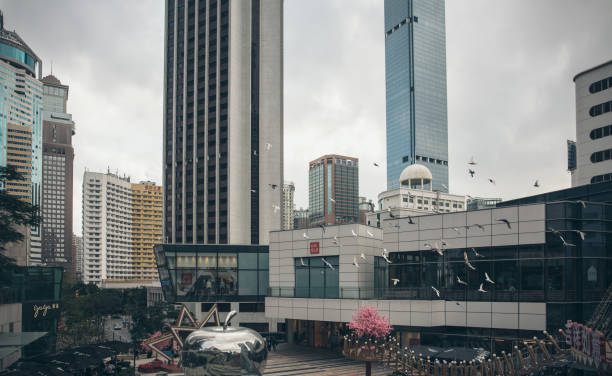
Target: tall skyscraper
223	121
288	207
333	190
592	156
415	76
147	228
21	104
58	158
107	227
77	246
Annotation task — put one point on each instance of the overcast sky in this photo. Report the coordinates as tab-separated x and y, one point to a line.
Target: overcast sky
510	66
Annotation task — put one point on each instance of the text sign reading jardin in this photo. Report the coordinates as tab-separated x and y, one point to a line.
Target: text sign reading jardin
587	344
314	248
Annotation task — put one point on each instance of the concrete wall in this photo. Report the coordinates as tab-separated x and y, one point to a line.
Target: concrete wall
423	313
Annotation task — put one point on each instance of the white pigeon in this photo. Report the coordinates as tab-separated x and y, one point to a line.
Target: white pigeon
369	233
488	279
306	236
476	253
302	262
459	281
335	241
362	256
395	281
467	261
332	200
436	291
384	255
385	252
268	146
565	243
353	232
456	230
276	208
328	264
582	234
445	186
480	289
355	262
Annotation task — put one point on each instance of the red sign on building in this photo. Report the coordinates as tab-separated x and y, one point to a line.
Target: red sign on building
314	248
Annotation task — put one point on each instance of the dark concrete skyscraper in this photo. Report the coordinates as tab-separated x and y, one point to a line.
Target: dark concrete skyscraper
415	72
223	121
58	160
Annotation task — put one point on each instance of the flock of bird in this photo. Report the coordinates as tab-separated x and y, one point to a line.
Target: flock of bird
438	246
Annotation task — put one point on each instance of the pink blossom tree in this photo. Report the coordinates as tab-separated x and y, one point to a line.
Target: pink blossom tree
370	326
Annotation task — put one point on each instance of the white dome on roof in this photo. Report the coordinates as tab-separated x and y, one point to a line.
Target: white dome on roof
414	173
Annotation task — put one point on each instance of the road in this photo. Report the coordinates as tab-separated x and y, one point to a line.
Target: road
123	334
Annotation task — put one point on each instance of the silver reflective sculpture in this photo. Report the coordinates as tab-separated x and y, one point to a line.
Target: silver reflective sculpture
224	350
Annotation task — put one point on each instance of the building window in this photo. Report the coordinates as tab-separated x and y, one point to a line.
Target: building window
601	132
601	85
405	159
315	279
601	178
600	109
601	156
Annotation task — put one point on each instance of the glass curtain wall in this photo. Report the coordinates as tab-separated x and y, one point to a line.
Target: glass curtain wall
315	279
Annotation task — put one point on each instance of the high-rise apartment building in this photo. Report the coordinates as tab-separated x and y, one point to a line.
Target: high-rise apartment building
288	205
333	190
77	246
415	76
147	227
591	156
58	158
301	218
21	104
107	227
223	121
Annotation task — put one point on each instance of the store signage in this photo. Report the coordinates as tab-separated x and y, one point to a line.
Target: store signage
43	310
588	345
314	248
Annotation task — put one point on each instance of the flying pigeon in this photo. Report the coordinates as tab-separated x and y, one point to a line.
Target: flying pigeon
328	264
274	186
390	213
253	191
565	243
556	232
369	233
491	181
355	262
362	256
476	253
488	279
480	289
302	262
268	146
332	200
479	226
323	227
536	184
386	258
472	162
306	236
471	172
459	281
581	203
276	208
467	261
582	234
335	241
445	186
507	222
456	230
410	220
376	164
436	291
353	232
255	152
395	281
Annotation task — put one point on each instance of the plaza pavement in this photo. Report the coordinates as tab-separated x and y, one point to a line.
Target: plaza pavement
299	360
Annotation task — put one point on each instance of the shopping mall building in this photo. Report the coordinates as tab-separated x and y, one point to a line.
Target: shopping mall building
539	282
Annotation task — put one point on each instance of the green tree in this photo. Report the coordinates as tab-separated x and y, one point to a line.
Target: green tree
13	212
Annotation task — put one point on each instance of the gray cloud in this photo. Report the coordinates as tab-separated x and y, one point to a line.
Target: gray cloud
510	92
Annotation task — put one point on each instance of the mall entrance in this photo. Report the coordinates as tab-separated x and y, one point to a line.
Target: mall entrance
318	334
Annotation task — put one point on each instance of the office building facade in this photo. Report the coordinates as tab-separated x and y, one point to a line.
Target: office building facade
21	104
333	190
223	133
58	161
415	77
147	228
301	218
77	246
592	152
288	205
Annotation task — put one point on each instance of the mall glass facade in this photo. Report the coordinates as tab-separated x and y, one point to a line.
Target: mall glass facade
212	273
315	279
415	75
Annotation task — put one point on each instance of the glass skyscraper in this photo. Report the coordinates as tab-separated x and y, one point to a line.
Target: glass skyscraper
415	75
